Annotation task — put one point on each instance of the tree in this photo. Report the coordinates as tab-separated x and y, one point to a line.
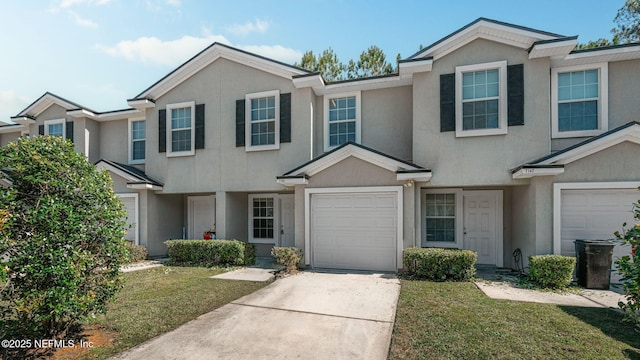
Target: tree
61	239
628	22
629	268
372	62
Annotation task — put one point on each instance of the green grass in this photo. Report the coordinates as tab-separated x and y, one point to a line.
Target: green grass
457	321
160	299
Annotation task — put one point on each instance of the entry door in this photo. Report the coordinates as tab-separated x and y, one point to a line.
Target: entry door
202	215
286	229
483	225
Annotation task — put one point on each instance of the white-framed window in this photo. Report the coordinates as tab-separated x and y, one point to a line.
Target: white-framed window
181	124
137	141
579	100
263	218
481	99
341	119
55	127
442	217
262	121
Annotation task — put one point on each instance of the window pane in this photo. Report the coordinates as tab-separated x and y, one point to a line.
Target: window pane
181	140
342	115
138	150
263	218
575	116
138	130
55	129
181	118
440	217
263	108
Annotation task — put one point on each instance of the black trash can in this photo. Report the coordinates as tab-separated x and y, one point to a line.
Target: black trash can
593	268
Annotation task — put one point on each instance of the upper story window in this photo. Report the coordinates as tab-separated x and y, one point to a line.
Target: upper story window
481	99
137	140
180	129
579	100
55	127
263	121
342	119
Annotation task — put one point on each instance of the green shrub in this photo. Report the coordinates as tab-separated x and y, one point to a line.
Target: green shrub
437	264
551	271
209	252
61	239
249	254
629	268
290	257
136	253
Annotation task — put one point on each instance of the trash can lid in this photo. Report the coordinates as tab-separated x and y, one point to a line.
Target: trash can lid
595	241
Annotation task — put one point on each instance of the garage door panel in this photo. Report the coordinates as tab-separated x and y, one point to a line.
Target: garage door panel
595	214
354	231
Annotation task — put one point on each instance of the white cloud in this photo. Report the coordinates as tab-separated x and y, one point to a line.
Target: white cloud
11	103
81	21
260	26
154	50
69	3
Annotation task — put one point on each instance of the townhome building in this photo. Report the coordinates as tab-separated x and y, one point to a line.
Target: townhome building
497	138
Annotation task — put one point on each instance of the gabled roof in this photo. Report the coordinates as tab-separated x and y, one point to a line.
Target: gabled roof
499	31
44	102
404	169
208	56
136	178
628	132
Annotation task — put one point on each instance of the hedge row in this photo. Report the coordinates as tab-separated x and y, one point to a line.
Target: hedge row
551	271
210	252
437	264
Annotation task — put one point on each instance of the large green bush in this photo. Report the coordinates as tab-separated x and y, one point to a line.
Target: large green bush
437	264
551	271
290	257
135	253
61	239
629	268
210	252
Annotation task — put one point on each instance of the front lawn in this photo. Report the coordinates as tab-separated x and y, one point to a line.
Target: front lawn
159	300
457	321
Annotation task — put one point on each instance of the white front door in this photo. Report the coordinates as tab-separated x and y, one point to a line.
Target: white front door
483	225
286	229
202	215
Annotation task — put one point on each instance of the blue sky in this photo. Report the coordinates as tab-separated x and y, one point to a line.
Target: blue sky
98	53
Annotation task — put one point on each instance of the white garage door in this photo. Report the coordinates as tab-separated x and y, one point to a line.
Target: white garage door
130	204
596	214
356	231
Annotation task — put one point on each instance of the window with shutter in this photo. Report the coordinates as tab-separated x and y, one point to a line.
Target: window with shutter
262	121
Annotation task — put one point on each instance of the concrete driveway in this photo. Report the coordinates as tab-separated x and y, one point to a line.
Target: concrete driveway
311	315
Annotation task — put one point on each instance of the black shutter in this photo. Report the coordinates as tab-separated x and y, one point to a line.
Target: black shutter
162	130
285	117
515	94
69	130
447	102
240	123
41	130
200	126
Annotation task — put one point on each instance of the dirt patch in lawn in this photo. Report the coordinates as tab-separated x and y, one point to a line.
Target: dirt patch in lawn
92	337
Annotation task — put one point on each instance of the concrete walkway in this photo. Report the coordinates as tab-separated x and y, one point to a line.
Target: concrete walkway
307	316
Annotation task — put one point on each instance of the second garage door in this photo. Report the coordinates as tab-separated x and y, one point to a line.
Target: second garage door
596	214
356	231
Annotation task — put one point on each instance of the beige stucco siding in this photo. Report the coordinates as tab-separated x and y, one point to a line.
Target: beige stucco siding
221	165
6	138
481	160
113	143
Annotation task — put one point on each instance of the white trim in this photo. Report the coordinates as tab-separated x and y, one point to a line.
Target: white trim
594	56
141	104
143	186
208	56
313	81
501	66
458	192
631	134
101	165
423	176
48	123
130	141
603	100
501	33
553	49
44	102
526	173
107	116
325	110
13	128
293	181
557	202
192	105
413	67
247	121
137	214
357	152
385	82
276	219
307	214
